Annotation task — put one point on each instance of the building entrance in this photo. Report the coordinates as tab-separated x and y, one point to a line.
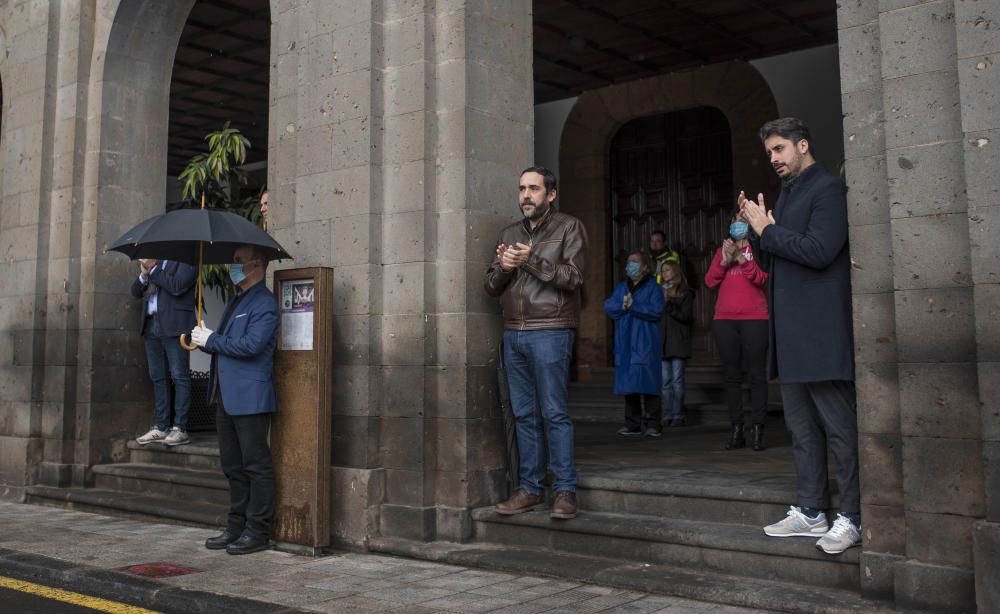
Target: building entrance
673	172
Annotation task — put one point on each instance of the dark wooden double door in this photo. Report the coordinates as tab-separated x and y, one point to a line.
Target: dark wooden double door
673	172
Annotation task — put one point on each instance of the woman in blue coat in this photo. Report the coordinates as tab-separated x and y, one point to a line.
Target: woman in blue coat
636	306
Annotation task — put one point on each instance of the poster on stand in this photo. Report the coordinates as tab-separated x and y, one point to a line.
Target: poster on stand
297	314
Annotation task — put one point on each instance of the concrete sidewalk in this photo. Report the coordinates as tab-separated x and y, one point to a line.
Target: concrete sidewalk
87	546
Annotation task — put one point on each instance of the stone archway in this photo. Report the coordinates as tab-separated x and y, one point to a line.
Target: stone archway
735	88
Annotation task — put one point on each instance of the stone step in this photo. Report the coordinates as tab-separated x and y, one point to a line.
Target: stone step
163	481
694	545
129	505
696	413
201	454
742	591
750	500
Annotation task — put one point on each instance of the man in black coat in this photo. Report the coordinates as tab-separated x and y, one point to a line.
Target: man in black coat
812	343
167	292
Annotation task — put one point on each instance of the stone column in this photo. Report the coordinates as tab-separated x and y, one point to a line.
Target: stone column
978	45
397	131
940	420
25	221
880	439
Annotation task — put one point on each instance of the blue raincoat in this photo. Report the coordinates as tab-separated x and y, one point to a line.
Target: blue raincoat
637	337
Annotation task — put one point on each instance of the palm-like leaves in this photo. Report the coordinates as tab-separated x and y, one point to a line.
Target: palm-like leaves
213	175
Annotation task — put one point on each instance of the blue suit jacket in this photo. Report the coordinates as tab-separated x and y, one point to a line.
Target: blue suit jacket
175	299
244	353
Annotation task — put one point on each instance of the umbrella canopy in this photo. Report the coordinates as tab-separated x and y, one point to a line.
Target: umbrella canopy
180	235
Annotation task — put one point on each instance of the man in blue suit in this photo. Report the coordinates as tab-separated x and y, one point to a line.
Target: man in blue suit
241	387
167	292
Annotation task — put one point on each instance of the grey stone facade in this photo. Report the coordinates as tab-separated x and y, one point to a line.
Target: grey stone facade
396	131
920	141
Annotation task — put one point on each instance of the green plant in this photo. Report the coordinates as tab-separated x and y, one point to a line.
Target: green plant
218	176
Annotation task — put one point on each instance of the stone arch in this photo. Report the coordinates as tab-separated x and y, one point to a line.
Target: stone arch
735	88
134	99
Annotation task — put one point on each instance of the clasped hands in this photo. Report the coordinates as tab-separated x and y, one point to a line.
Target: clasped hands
200	334
513	256
731	252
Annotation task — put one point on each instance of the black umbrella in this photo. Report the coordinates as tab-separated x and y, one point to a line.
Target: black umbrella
509	425
195	237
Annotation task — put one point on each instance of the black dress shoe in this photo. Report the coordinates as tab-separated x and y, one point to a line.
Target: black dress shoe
757	440
219	542
736	439
248	543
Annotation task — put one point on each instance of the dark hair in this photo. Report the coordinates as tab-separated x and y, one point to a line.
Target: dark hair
548	176
682	285
662	234
791	128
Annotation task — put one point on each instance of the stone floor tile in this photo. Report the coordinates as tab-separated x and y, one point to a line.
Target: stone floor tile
409	594
354	604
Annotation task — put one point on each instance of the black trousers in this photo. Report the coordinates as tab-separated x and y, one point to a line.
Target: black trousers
246	461
820	414
635	419
739	342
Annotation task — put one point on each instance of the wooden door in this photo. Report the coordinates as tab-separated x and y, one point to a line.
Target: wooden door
673	172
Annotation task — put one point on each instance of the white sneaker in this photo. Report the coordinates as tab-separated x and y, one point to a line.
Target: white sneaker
154	434
176	437
842	536
797	524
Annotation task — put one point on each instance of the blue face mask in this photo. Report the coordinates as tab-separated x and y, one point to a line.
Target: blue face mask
739	230
236	274
633	269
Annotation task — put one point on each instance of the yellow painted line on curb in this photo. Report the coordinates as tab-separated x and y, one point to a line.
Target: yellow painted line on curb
85	601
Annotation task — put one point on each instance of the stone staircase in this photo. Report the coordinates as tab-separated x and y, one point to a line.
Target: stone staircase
183	485
677	515
693	522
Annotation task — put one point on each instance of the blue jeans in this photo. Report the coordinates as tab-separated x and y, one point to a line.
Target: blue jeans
673	387
537	363
162	352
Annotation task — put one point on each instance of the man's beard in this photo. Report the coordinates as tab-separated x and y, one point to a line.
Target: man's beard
793	174
539	212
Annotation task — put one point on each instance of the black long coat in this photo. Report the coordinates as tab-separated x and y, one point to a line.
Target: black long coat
812	337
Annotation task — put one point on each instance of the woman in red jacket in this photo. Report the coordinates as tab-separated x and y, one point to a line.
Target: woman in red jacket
741	329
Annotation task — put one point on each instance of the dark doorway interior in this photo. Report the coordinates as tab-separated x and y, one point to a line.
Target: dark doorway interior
673	172
221	73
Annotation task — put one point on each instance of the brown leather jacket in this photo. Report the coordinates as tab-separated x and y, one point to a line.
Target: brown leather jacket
545	292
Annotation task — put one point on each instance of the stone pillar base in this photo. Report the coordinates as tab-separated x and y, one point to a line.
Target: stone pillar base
61	475
425	524
986	555
877	574
356	495
935	588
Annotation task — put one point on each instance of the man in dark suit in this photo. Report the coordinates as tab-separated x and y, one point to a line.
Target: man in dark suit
241	388
167	292
812	342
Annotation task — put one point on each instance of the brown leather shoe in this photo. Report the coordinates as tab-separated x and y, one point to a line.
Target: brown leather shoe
522	501
565	505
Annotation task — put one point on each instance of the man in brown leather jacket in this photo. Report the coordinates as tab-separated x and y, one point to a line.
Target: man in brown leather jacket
537	273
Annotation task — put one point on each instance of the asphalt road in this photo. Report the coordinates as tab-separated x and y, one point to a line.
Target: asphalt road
32	598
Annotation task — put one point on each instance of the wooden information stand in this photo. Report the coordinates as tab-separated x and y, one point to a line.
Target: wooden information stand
300	431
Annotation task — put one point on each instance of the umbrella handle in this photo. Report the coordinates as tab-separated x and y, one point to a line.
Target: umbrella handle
189	347
201	254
